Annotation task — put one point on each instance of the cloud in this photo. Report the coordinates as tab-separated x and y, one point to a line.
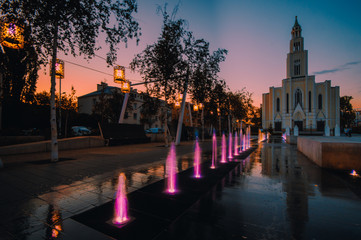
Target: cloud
337	69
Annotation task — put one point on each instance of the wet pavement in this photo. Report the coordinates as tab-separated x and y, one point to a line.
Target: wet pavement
35	195
275	193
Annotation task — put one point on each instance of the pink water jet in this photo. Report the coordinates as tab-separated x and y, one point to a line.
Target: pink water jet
214	150
244	142
171	171
224	149
235	144
121	203
230	145
197	160
240	141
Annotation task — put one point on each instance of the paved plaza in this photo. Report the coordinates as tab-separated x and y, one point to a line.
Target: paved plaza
275	193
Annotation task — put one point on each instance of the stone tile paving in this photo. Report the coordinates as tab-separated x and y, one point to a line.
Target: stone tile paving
37	196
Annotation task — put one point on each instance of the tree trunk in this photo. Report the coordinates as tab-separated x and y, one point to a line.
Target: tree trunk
54	133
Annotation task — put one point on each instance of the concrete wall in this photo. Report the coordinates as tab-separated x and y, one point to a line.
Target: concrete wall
45	146
291	139
331	154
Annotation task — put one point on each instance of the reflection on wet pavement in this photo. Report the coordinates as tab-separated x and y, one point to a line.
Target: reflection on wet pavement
41	216
276	193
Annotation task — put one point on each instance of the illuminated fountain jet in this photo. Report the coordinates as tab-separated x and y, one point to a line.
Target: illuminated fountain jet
230	141
171	171
121	216
214	150
235	144
224	149
197	160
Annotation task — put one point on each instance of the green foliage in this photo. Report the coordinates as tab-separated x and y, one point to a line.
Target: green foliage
177	57
68	101
19	69
150	108
76	23
347	112
108	108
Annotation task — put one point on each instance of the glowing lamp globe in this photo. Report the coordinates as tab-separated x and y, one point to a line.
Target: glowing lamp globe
126	87
11	34
59	68
195	107
200	106
177	104
119	74
180	97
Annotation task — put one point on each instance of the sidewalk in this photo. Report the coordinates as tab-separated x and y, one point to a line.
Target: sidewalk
32	189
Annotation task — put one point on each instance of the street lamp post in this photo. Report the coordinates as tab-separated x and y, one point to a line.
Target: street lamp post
59	72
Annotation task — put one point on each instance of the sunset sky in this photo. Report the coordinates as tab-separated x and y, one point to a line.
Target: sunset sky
256	34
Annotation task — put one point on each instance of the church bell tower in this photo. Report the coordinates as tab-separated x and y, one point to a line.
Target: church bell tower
297	58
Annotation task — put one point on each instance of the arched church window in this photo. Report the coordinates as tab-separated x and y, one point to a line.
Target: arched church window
309	101
287	99
278	104
298	98
320	101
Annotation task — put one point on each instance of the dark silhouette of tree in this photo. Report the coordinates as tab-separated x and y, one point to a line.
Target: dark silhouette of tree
347	112
19	68
149	109
109	106
178	60
72	26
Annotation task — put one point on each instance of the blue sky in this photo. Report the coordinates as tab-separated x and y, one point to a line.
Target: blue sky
256	34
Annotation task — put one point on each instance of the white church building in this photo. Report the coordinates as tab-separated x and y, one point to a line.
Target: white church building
300	101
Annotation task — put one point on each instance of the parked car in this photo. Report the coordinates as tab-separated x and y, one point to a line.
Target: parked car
80	131
154	130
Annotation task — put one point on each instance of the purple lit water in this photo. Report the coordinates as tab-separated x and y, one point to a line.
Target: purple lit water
171	171
197	160
240	141
121	203
230	145
235	144
224	149
214	150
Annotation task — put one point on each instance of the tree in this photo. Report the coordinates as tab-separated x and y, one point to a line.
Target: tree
19	68
150	108
177	61
347	112
108	108
68	25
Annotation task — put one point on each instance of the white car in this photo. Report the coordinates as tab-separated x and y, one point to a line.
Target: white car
80	131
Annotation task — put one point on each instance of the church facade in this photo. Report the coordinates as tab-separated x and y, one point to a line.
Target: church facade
300	101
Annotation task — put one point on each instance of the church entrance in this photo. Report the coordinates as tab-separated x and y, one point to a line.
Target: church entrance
321	126
299	124
278	126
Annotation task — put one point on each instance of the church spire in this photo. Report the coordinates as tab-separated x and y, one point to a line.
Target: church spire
297	57
296	29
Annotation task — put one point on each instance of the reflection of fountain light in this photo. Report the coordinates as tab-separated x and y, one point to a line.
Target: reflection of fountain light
354	173
235	144
230	145
214	150
197	160
121	203
171	170
224	149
